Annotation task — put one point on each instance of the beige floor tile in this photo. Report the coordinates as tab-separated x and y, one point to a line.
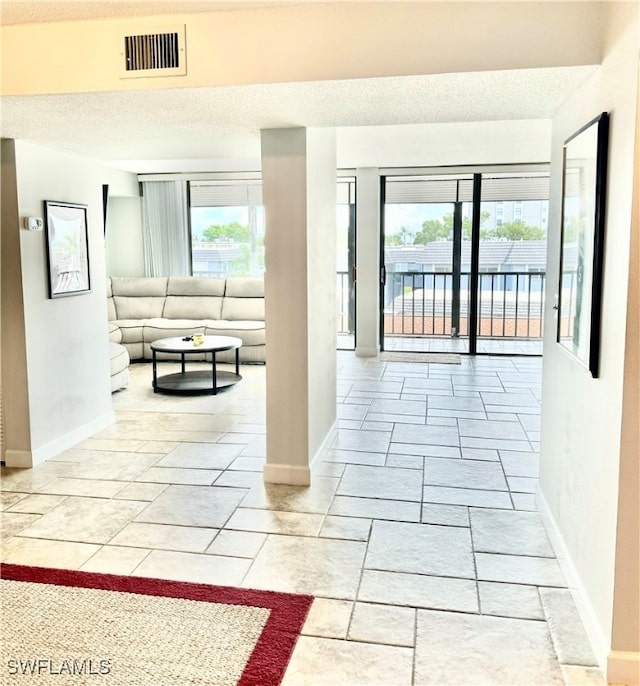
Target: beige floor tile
392	483
248	464
165	537
418	590
321	567
350	528
509	600
200	456
237	544
324	661
421	549
314	498
386	624
46	553
207	569
126	445
375	508
159	447
31	480
12	523
273	522
110	466
112	559
141	491
206	506
177	475
509	532
93	488
9	499
479	650
37	504
518	569
239	479
582	676
328	618
86	520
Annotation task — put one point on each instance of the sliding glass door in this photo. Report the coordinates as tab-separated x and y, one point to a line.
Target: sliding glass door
463	262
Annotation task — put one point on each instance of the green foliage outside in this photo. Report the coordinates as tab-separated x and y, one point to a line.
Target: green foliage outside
442	229
240	234
235	232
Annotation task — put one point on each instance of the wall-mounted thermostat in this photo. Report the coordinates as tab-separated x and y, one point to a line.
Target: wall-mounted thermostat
33	223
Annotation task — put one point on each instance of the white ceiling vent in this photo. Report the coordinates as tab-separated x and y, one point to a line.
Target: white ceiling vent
161	53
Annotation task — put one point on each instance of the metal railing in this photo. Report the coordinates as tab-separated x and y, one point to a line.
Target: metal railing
510	304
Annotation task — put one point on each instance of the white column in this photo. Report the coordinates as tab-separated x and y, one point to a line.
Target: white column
368	266
299	195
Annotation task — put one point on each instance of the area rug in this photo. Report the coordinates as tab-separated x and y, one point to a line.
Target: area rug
61	626
433	358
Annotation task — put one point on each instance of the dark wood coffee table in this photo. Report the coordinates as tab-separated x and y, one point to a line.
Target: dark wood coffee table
195	382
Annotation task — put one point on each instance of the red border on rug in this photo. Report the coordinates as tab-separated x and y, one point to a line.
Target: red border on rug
269	659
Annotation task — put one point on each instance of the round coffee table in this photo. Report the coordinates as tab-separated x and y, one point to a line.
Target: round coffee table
199	381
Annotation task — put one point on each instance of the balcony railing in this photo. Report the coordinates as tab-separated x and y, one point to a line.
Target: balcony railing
510	304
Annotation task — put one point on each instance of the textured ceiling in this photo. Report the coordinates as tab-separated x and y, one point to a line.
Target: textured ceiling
34	11
210	123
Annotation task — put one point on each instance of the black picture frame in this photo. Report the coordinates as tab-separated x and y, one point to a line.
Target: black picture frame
67	248
584	192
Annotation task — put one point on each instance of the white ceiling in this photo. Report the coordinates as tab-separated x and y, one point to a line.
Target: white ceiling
187	129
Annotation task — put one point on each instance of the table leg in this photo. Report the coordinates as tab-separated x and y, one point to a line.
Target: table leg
155	372
182	360
213	363
237	361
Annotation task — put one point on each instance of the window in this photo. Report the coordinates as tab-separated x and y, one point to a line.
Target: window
227	228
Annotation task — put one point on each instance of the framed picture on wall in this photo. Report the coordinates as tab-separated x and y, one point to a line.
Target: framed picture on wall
67	248
582	243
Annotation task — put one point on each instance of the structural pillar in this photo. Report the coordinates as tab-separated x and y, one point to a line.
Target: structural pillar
299	196
368	262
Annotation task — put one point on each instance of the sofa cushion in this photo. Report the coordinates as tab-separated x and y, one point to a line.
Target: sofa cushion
138	307
192	307
155	329
195	286
243	309
155	286
131	330
250	333
115	335
118	358
245	287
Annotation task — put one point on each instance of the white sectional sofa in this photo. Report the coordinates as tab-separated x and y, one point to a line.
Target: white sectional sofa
145	309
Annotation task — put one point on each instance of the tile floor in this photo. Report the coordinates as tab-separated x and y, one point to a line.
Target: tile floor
418	536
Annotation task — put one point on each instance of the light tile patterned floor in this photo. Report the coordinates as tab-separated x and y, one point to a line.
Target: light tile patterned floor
418	536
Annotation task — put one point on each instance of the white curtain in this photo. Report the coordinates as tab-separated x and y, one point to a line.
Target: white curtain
165	221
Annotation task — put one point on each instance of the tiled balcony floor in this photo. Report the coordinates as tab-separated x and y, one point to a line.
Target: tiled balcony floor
418	536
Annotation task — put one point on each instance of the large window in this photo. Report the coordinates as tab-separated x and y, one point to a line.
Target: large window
227	228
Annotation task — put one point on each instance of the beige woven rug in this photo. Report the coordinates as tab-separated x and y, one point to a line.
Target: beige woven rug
433	358
54	634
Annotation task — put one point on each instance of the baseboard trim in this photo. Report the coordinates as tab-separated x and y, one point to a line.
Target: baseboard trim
296	475
19	459
25	459
366	352
623	667
599	644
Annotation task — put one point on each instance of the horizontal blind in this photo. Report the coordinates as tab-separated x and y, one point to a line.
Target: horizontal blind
226	194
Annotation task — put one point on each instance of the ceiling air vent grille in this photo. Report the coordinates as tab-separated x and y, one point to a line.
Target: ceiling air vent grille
155	54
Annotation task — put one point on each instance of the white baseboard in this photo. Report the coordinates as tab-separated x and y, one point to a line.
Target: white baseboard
623	667
27	459
599	643
293	475
21	459
296	475
366	352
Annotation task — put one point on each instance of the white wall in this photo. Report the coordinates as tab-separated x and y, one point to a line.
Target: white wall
65	339
124	242
581	420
